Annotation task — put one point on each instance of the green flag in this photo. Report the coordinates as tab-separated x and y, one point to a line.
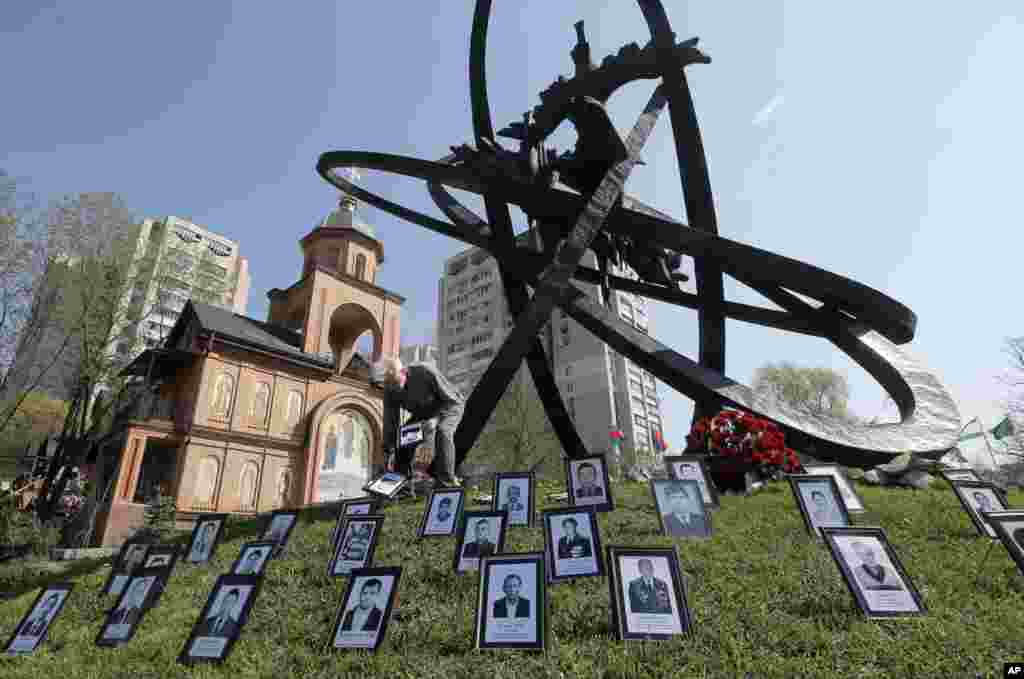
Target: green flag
1002	430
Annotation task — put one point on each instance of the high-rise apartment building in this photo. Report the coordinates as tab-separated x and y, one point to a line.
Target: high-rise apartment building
603	391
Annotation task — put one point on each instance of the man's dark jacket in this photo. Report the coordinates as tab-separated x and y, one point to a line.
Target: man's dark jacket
426	395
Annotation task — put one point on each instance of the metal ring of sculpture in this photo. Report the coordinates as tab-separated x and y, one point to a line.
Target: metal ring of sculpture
576	202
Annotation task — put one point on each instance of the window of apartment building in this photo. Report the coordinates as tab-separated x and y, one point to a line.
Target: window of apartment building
635	386
481	338
571	404
482	354
568	371
638	419
456	347
569	387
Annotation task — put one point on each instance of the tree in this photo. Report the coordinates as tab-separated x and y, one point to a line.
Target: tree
817	391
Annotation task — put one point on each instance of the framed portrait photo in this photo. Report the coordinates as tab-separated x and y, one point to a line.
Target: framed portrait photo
681	509
977	498
441	513
965	474
366	608
873	572
355	547
222	619
820	502
206	536
35	625
588	484
854	503
648	593
352	507
512	602
162	556
253	558
278	529
1009	527
572	544
129	559
514	492
140	594
480	534
387	484
694	468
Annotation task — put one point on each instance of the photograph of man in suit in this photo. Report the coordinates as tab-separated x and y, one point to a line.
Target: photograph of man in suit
648	594
512	502
252	563
685	516
482	546
586	477
572	545
357	542
130	611
204	542
37	622
223	621
366	615
824	512
870	574
444	515
512	605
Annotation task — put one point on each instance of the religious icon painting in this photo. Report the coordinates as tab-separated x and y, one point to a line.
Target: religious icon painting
387	484
129	559
278	530
854	503
480	534
352	507
441	513
1009	527
366	608
588	483
681	509
514	491
253	558
512	602
219	625
206	535
873	573
694	468
820	502
32	629
978	498
648	593
572	544
140	593
356	544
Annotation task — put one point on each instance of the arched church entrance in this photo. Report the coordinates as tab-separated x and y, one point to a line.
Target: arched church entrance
346	439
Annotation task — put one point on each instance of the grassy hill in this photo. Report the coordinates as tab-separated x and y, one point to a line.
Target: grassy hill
767	602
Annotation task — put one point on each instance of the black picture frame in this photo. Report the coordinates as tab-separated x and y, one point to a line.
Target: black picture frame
864	588
810	520
131	607
515	479
122	569
843	482
162	556
558	553
493	608
267	534
220	642
578	494
961	488
454	495
386	485
469	562
37	627
213	541
1009	527
699	524
266	551
341	565
709	492
630	600
951	475
387	577
353	507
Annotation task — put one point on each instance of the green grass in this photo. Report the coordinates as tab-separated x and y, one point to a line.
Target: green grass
766	600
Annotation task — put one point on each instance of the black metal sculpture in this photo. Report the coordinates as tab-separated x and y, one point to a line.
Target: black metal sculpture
575	202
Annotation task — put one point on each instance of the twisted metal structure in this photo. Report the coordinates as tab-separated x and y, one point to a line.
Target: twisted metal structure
576	202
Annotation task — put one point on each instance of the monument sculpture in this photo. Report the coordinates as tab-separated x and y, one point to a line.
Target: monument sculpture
575	202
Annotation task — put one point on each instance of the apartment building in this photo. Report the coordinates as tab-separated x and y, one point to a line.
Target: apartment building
419	353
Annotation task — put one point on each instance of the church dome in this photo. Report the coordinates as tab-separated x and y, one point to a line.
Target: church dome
344	217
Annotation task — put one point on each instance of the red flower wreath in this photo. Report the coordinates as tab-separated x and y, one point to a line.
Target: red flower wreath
742	437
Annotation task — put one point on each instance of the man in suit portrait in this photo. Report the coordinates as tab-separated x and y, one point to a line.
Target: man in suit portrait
683	517
358	543
37	623
366	616
870	574
204	541
648	594
572	545
131	608
512	605
482	546
512	502
823	513
586	474
251	565
223	622
444	511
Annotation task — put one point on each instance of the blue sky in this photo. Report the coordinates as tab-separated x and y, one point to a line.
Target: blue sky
880	141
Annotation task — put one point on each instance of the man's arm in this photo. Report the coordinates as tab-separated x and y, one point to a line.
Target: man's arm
449	395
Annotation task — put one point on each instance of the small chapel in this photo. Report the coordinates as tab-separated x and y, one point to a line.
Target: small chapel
246	416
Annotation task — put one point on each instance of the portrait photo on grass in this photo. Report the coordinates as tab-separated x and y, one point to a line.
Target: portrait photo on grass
353	507
694	468
572	543
206	535
514	492
681	509
1009	527
355	547
854	503
873	572
511	608
588	483
387	484
139	595
218	626
32	629
129	559
253	558
820	502
366	608
441	513
480	534
978	497
648	593
278	529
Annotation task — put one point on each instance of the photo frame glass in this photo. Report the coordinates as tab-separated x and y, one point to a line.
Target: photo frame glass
366	608
131	558
222	619
121	622
573	544
514	493
480	534
253	558
588	482
512	602
1009	527
279	529
847	490
347	508
441	514
960	475
36	623
693	468
872	572
205	537
977	499
681	509
650	595
820	502
387	484
356	545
